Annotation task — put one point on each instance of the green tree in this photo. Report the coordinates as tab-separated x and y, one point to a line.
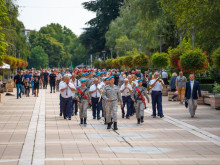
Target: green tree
3	18
38	58
93	37
203	15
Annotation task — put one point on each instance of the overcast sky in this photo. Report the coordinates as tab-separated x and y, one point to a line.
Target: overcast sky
37	13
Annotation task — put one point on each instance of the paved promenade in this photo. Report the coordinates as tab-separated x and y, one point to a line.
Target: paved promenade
32	132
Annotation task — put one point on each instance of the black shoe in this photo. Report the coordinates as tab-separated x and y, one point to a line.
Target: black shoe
72	114
109	126
69	118
85	121
60	114
139	121
115	126
17	97
81	121
161	116
94	117
20	95
76	114
123	116
154	116
127	117
105	121
142	119
98	118
50	91
65	118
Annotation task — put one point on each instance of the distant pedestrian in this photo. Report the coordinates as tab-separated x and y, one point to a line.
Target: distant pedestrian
173	82
164	76
52	80
191	94
27	87
19	84
180	86
36	84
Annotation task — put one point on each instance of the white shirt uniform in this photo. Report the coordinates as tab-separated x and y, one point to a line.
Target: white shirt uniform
67	92
157	87
59	76
97	93
126	92
164	75
75	83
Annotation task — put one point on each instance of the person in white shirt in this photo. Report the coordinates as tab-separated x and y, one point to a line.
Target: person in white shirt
126	91
76	84
59	78
164	77
95	93
156	86
66	90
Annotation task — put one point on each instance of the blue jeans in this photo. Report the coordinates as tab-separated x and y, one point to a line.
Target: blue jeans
157	100
19	86
66	107
96	106
126	100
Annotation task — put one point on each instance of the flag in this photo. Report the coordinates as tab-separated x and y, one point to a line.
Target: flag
71	67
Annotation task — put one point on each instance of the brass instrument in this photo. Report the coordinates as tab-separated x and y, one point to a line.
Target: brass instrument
149	87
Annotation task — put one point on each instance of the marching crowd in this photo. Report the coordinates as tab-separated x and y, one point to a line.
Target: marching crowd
102	90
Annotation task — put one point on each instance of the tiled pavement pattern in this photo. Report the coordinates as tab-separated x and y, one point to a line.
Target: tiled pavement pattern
33	133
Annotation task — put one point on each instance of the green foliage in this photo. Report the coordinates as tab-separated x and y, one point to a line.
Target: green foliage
160	60
192	61
38	58
12	29
94	36
216	88
128	61
204	15
61	45
141	60
216	58
96	63
4	17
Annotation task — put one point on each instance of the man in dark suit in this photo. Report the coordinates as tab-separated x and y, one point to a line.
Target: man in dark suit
191	93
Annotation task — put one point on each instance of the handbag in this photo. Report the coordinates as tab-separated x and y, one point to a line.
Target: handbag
186	103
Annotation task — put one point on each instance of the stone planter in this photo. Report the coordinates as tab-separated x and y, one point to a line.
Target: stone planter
201	100
213	100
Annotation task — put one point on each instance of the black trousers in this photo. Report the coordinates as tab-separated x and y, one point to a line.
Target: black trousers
52	86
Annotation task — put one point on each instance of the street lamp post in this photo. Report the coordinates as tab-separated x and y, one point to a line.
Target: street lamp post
160	42
111	49
181	37
104	54
193	37
140	47
125	49
118	51
91	60
130	48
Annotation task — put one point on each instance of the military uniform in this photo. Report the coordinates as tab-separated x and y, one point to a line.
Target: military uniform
139	105
112	93
83	103
89	82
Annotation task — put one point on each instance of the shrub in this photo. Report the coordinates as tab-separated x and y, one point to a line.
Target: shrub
160	60
216	88
141	60
192	61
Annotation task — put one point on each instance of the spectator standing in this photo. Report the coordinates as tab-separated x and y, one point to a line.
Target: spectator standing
180	86
164	77
173	82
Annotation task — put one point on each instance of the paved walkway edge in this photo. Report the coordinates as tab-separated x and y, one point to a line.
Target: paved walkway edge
33	137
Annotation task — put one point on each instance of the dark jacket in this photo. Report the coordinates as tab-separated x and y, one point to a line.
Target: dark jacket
195	92
173	82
